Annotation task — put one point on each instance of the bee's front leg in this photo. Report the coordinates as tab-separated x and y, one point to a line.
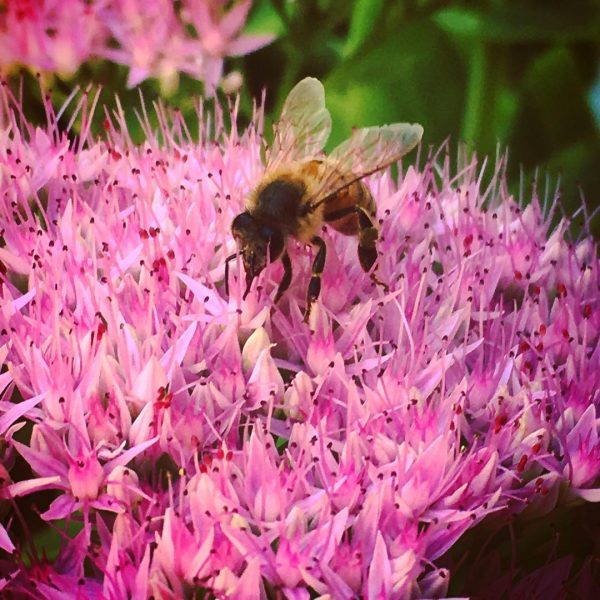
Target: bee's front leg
314	287
227	261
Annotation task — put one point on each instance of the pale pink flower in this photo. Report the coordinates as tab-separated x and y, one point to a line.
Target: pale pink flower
153	38
219	31
151	41
49	35
10	414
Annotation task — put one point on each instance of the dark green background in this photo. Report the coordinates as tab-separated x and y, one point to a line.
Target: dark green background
521	75
517	75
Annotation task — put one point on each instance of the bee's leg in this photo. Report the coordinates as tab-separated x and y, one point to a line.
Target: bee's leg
284	284
367	236
367	250
227	261
314	287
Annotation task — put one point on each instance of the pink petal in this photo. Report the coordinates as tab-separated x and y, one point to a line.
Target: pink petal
18	410
234	18
61	508
27	486
175	354
129	455
590	495
42	463
109	503
246	44
585	430
141	579
249	585
379	582
5	541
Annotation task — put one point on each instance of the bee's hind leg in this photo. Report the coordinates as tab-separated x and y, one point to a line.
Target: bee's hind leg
284	284
314	287
367	251
367	237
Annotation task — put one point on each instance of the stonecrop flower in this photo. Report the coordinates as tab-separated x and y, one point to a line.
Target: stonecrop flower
154	38
200	441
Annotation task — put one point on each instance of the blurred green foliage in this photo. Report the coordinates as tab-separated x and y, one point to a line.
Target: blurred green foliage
522	75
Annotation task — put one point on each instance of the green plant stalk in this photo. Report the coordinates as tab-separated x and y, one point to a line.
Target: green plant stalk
476	96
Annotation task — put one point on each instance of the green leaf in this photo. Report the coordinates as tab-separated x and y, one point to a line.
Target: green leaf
491	104
520	23
459	20
362	20
555	89
48	541
410	73
476	93
507	107
264	18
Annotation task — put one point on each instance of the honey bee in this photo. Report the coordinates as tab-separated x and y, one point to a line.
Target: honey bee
302	189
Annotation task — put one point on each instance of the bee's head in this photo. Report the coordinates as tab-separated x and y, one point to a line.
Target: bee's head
256	239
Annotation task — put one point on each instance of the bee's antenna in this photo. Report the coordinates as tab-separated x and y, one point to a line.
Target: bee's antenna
227	261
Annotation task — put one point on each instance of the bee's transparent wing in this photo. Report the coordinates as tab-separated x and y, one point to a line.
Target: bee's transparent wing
367	151
304	125
370	147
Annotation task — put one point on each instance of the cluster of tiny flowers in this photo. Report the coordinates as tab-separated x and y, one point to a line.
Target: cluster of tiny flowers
201	442
154	38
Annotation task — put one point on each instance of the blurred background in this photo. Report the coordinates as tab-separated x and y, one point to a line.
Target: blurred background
522	75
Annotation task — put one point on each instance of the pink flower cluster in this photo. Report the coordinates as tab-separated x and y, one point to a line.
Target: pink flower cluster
154	38
203	442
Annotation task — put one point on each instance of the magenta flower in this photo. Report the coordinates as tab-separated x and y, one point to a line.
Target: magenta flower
207	443
10	413
74	468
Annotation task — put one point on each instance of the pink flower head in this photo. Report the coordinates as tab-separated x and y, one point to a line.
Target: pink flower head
218	445
75	470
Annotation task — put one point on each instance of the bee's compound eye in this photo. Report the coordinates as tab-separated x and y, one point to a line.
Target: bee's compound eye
266	232
243	221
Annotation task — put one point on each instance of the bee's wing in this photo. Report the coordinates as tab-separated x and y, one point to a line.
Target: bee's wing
304	125
367	151
370	147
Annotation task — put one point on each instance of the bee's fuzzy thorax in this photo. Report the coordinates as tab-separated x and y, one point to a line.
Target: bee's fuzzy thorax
304	177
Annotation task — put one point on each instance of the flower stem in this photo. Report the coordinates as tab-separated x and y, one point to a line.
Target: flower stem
476	93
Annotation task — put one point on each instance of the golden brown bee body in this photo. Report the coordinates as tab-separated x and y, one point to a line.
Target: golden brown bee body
306	177
302	188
